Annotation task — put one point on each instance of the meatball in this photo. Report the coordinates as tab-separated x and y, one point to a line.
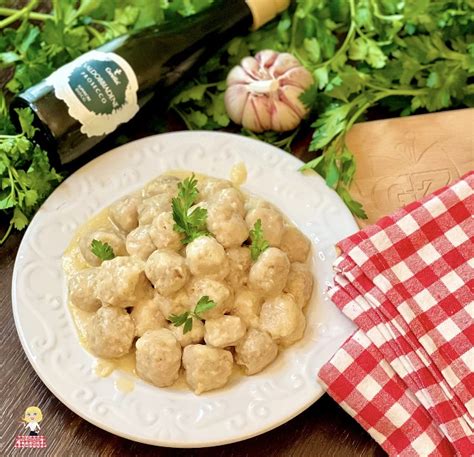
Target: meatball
299	283
176	304
230	230
229	200
162	233
167	271
139	243
162	185
196	335
82	289
216	291
272	223
115	241
152	207
124	214
239	266
206	257
158	357
295	244
208	187
255	351
247	306
269	273
206	368
146	315
297	333
121	281
280	316
110	333
224	331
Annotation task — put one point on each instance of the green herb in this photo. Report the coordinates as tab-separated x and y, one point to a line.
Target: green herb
191	223
102	250
186	318
26	177
258	243
403	57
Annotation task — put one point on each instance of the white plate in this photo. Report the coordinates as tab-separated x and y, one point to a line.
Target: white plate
169	417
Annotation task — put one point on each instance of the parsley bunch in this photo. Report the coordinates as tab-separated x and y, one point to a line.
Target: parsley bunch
404	57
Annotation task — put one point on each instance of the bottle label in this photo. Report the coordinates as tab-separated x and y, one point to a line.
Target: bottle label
99	89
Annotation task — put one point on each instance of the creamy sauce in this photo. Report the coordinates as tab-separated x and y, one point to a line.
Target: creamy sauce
73	261
238	174
124	385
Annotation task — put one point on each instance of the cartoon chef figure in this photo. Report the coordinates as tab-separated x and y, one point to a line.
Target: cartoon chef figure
33	416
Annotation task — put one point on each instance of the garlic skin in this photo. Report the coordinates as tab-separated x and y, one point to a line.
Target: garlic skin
263	92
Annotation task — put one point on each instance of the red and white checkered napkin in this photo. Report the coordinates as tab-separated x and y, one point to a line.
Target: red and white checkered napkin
407	374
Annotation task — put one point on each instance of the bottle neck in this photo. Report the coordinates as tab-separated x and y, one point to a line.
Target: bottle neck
168	51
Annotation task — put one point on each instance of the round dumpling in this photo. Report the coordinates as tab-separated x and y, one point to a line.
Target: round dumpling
151	207
218	292
194	336
110	333
208	187
147	316
297	333
239	266
230	230
139	243
158	357
229	200
162	233
82	289
206	368
272	223
121	281
162	185
175	304
167	271
247	306
255	351
280	316
124	214
206	257
224	331
299	283
295	244
115	241
269	273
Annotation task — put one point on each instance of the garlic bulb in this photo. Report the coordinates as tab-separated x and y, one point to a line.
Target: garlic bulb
263	92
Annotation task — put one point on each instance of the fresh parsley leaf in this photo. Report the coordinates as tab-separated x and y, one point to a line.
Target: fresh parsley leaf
258	243
178	319
190	223
186	318
204	304
102	250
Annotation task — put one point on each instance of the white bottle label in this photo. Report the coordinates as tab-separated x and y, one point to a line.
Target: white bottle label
99	89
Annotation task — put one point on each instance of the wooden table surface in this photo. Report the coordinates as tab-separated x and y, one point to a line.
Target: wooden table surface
323	430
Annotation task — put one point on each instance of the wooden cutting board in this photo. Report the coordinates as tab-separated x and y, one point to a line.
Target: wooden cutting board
403	159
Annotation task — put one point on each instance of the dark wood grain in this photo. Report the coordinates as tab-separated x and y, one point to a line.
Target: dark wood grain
323	430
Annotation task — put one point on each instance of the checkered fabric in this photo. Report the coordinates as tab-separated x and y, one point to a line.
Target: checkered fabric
30	441
407	282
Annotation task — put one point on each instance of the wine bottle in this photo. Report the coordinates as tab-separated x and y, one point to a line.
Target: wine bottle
82	102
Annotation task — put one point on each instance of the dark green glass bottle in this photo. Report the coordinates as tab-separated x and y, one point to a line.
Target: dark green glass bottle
84	101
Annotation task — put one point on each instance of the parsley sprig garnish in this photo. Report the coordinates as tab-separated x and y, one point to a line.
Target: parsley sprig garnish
191	223
102	250
186	318
258	242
